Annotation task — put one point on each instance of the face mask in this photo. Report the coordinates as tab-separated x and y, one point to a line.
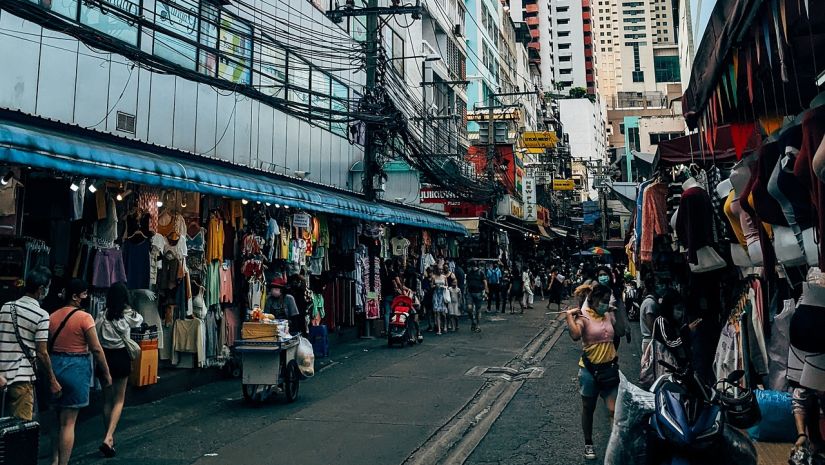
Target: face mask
602	309
604	279
678	314
660	289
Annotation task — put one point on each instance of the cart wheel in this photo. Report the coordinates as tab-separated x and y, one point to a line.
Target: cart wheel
256	393
291	380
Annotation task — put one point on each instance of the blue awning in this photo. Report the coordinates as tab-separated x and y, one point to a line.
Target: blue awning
141	163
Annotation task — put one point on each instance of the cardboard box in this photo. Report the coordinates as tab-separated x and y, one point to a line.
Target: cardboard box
145	368
260	332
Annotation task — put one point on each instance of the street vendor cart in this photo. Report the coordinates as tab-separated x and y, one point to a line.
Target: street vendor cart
269	366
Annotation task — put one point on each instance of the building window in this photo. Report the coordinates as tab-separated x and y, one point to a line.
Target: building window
566	71
565	58
633	139
666	68
564	46
109	19
621	128
638	76
656	138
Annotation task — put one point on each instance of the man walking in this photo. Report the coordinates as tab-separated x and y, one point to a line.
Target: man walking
476	288
24	336
493	287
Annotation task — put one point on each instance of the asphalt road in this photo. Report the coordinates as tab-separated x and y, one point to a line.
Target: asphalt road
541	425
374	405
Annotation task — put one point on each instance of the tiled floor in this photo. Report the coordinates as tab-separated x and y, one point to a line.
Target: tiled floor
773	453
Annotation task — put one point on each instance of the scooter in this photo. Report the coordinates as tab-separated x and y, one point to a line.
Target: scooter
402	322
693	423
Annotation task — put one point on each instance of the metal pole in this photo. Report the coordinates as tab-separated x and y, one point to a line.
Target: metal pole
371	62
369	144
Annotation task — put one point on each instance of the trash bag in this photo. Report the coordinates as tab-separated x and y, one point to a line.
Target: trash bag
305	357
628	440
778	348
777	423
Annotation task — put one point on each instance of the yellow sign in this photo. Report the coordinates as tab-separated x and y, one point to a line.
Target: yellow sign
541	139
508	115
536	150
516	209
563	184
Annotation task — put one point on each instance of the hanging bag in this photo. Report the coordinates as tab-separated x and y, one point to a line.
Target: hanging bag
605	374
42	390
131	346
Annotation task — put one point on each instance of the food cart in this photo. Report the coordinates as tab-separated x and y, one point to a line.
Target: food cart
269	367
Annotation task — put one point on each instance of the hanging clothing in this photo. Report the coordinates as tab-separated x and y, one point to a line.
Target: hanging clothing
654	218
694	221
173	227
813	131
226	292
108	268
136	259
215	239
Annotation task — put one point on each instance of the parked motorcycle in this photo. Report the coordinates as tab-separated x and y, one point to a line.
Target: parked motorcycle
694	423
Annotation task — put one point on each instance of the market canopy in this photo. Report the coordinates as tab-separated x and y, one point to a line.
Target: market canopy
78	151
691	149
756	60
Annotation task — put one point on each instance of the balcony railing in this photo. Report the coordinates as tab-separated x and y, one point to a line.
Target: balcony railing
639	100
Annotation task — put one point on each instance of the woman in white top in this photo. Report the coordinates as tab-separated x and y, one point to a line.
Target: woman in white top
114	327
439	283
527	297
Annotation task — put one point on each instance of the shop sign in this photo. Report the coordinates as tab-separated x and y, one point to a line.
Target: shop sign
536	150
508	206
539	139
528	193
433	195
301	220
564	185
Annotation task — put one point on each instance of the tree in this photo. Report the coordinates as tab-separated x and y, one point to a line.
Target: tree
578	92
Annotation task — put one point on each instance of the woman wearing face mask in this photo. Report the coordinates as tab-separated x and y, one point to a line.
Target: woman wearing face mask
283	306
72	338
605	277
595	324
670	331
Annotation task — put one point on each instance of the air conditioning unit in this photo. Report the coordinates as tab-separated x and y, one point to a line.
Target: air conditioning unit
457	30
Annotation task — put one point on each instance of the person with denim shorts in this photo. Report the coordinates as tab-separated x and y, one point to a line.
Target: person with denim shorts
595	324
73	338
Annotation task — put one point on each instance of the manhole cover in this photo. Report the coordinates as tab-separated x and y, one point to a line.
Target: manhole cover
506	373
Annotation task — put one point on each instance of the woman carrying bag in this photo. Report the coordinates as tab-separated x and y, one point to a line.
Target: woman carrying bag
72	338
115	329
595	324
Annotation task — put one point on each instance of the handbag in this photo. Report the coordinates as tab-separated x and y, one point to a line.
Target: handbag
605	374
131	346
447	298
647	374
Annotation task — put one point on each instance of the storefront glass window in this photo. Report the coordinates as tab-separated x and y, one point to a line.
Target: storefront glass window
235	47
108	18
183	21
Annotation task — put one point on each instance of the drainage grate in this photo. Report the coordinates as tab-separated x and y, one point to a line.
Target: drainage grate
506	373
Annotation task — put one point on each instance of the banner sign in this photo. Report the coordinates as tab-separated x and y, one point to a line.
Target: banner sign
539	139
528	193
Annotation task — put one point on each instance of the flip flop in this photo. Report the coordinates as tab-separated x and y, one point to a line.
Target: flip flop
107	450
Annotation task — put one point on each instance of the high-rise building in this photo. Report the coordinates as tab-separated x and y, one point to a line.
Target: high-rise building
636	48
538	16
573	45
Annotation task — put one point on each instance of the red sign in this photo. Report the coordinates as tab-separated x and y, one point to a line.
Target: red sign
464	210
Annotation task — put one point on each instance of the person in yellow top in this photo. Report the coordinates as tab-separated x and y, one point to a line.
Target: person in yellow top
595	324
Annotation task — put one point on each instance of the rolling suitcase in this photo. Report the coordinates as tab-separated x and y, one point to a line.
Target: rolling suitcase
19	439
318	336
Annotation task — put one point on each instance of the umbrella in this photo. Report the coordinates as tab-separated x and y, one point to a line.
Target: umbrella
599	251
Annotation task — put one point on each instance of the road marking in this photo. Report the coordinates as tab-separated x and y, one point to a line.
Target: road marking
454	442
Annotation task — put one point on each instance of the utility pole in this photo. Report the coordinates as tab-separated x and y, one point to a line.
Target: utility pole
372	131
372	12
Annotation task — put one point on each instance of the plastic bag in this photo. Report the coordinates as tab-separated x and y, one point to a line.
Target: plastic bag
628	440
777	423
778	348
305	357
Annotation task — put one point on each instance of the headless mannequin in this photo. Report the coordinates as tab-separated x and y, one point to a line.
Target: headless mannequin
739	177
738	254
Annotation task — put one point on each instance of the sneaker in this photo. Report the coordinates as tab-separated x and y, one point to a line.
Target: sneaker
589	452
476	330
